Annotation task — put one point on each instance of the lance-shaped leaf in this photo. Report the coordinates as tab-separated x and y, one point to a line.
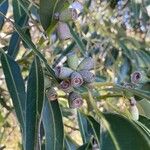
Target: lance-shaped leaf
86	146
64	53
95	128
70	144
34	103
47	10
53	125
14	43
15	85
78	41
128	135
31	45
89	128
144	120
83	126
18	10
3	9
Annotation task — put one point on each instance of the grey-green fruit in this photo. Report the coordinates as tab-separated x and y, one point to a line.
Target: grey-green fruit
86	64
76	79
75	100
63	31
63	72
138	77
65	85
72	60
87	76
68	15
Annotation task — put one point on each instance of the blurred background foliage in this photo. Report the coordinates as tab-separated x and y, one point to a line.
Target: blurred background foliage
115	33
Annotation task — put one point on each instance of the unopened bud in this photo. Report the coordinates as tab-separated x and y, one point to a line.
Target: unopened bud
63	72
75	100
86	64
76	79
134	112
138	77
68	15
72	60
87	76
132	101
63	31
65	85
133	109
51	94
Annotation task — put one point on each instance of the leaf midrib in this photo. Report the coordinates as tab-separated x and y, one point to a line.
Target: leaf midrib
15	88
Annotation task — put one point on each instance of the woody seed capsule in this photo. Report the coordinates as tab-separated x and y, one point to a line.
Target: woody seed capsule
76	79
86	64
87	76
75	100
63	31
63	72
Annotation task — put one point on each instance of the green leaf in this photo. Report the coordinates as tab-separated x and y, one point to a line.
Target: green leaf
29	43
145	104
140	93
83	126
14	43
86	146
18	11
70	144
144	129
135	8
128	134
47	10
111	57
64	53
3	9
34	104
95	127
53	125
78	41
15	85
144	120
124	70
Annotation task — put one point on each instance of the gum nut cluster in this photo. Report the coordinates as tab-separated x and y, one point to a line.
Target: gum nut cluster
75	75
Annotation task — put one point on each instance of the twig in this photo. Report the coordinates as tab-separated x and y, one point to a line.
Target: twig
73	128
